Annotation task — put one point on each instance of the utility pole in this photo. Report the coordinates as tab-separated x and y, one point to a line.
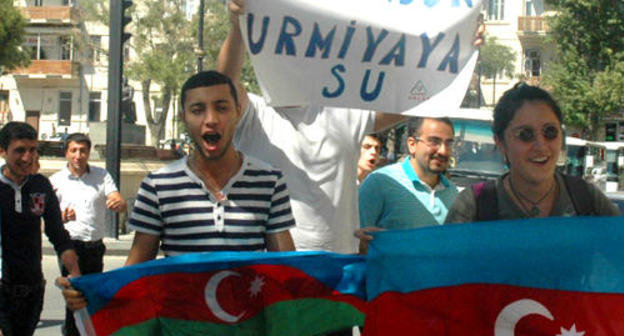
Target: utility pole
200	37
113	123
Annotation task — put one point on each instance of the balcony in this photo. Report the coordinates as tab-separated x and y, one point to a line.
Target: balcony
51	14
49	68
532	25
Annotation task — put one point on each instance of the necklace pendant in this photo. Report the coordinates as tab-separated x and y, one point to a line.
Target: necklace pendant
534	211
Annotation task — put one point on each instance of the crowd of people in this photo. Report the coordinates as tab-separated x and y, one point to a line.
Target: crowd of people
263	178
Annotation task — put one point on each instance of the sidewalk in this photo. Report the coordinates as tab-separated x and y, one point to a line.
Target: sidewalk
114	247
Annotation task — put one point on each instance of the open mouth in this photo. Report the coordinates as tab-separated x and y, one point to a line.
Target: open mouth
211	138
540	160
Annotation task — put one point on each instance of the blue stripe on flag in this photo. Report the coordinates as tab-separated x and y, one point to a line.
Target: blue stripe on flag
344	273
576	253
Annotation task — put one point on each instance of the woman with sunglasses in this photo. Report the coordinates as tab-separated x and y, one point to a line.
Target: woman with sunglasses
527	130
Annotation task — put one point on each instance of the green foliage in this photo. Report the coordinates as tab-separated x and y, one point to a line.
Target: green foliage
496	58
216	28
164	43
95	10
587	75
11	37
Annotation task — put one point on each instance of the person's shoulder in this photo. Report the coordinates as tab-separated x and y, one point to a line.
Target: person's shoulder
63	173
392	171
97	172
392	168
173	168
255	166
59	175
38	180
257	102
449	184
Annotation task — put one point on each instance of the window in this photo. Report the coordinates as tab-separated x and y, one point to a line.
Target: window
534	7
532	63
529	8
95	106
66	46
94	52
65	107
496	9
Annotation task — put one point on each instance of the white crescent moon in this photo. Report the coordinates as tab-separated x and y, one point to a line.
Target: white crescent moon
210	293
514	312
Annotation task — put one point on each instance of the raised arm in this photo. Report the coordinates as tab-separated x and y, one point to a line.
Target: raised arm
232	53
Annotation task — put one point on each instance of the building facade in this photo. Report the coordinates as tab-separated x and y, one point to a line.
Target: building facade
65	87
522	26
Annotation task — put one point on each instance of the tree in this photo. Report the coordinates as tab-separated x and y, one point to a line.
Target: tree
162	41
495	59
216	28
587	74
12	34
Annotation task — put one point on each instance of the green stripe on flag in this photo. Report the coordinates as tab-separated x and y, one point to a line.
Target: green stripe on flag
287	318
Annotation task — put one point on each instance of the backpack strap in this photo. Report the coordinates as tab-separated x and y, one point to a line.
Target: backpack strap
486	200
579	193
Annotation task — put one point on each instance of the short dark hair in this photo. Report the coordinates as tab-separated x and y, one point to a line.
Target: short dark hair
513	99
414	124
377	136
78	138
16	130
207	78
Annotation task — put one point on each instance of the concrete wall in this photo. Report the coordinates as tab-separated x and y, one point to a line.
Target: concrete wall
130	133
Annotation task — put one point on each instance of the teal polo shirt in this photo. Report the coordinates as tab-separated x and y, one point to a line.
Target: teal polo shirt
393	197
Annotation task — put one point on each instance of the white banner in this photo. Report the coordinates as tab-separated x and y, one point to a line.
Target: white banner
383	55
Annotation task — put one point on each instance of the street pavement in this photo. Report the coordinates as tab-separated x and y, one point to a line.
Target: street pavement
53	313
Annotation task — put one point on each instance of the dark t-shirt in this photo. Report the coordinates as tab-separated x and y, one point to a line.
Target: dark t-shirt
464	210
21	210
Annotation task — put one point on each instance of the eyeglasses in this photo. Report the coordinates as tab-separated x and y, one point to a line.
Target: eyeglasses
435	142
529	134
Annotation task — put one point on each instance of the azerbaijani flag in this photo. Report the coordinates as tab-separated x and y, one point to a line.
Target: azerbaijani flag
229	293
551	276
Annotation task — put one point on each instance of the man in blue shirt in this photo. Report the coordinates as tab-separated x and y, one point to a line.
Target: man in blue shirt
413	192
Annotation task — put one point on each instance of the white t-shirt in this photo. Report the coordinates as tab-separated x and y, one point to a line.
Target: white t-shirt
87	195
317	149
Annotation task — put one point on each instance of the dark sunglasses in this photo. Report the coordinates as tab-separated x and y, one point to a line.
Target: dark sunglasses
529	134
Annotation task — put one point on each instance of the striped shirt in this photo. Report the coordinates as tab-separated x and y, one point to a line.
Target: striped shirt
174	204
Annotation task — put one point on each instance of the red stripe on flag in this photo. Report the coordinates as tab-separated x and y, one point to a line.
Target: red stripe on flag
478	309
239	294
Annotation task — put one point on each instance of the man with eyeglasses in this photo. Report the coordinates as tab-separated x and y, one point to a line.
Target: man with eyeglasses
412	193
